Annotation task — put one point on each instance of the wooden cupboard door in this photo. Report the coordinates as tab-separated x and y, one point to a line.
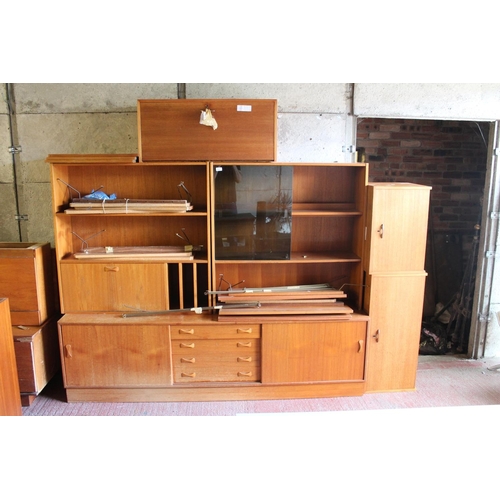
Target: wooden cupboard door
314	352
395	304
115	355
113	286
10	397
396	232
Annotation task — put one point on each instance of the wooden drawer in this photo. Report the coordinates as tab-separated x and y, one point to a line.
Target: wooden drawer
215	331
227	360
27	280
37	355
113	286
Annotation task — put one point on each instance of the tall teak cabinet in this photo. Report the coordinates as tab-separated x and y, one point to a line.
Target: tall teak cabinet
396	233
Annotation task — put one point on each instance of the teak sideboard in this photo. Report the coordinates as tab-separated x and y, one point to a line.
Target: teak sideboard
367	239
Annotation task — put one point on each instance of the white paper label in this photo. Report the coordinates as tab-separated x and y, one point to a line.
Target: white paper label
244	107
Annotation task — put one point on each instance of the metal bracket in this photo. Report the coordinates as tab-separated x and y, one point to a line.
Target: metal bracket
495	215
15	149
482	318
349	149
21	217
490	253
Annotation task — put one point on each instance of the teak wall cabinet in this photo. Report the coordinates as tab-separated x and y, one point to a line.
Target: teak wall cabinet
321	224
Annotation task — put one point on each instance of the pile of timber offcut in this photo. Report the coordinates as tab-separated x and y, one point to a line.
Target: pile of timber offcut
303	302
127	206
138	253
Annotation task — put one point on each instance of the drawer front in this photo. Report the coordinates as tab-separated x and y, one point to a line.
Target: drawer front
227	360
215	331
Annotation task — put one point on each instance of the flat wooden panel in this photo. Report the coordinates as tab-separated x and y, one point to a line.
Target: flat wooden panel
394	303
10	398
170	130
397	215
117	356
113	286
296	352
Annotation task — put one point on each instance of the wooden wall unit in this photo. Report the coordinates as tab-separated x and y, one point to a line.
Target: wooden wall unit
108	353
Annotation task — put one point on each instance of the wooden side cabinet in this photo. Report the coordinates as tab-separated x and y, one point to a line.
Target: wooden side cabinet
394	284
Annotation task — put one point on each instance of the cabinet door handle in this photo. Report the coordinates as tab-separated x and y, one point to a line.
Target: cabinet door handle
68	351
113	269
190	346
381	230
188	360
242	330
187	332
243	344
244	374
376	336
244	359
360	345
190	375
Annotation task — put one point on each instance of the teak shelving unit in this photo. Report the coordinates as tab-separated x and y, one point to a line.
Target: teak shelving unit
109	355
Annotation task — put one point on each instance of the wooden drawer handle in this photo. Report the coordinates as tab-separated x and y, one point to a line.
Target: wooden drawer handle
246	359
376	336
113	269
68	351
190	375
244	344
242	330
187	332
190	346
360	345
188	360
381	230
244	374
